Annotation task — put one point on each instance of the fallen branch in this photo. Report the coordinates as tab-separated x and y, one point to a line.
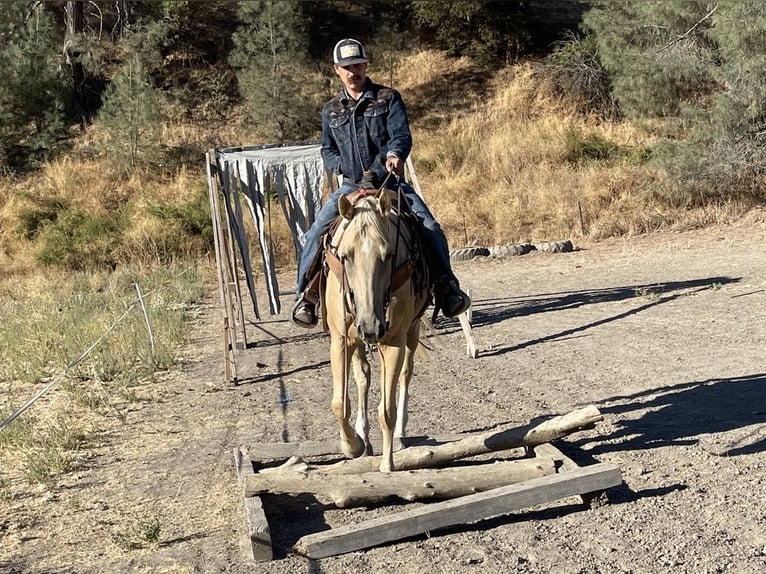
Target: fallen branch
434	456
370	488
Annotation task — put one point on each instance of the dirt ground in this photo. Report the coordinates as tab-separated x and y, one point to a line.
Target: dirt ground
665	334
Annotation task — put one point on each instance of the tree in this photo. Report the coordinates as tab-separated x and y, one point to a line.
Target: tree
130	118
32	92
484	29
656	53
274	78
702	66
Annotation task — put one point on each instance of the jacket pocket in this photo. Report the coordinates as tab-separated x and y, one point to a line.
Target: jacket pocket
340	125
376	118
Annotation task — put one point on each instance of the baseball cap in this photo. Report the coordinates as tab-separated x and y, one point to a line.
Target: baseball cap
349	51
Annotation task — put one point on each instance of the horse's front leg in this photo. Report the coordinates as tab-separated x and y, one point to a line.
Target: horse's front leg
402	404
362	375
341	349
391	359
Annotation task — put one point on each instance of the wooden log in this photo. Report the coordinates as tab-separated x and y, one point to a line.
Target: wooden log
257	525
484	505
526	436
374	487
264	451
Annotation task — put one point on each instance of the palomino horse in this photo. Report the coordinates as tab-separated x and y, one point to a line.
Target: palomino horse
375	293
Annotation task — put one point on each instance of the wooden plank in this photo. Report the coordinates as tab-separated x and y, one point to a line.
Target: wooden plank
590	499
470	343
218	238
263	451
257	525
467	509
548	450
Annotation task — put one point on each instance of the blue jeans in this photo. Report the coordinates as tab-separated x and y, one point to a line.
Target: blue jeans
434	240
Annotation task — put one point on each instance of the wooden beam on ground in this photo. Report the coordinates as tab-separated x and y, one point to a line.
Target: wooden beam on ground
590	499
467	509
257	525
348	490
526	436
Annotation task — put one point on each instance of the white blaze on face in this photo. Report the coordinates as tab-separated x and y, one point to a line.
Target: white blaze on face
367	246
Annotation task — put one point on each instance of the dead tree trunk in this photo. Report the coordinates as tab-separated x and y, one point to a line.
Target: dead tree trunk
433	456
374	487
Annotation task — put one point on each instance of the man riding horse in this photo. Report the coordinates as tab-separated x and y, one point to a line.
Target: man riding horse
365	129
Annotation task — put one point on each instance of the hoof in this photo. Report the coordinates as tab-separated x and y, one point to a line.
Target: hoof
354	448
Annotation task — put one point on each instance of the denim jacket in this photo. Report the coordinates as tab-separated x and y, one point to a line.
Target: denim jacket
357	136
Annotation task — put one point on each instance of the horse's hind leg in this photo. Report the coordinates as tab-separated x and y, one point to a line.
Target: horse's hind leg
402	404
340	352
362	377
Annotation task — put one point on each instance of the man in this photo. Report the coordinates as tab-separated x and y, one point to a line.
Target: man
365	129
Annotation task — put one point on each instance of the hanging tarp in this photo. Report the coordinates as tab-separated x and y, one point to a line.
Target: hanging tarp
290	173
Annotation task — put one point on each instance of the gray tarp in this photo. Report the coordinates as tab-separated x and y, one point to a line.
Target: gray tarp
291	173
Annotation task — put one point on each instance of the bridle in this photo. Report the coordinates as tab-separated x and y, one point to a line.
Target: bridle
399	274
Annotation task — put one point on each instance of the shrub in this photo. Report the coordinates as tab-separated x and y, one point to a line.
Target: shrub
78	240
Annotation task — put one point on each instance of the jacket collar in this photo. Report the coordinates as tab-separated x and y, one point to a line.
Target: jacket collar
367	94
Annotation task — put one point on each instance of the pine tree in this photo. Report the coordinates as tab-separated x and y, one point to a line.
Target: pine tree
700	63
32	92
657	53
737	110
130	118
274	79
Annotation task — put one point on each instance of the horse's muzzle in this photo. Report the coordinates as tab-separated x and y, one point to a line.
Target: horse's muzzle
370	332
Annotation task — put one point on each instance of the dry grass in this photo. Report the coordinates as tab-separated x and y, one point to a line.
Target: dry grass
508	162
500	174
500	156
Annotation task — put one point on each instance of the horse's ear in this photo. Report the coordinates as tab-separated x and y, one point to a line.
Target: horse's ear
345	207
384	202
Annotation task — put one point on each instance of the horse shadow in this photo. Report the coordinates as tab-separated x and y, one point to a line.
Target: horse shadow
490	311
678	415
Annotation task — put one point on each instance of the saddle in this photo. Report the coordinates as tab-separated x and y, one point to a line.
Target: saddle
415	267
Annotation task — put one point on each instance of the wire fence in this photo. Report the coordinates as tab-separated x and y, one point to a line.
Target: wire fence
139	302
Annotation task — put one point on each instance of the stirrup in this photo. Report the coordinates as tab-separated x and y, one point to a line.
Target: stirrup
449	298
304	314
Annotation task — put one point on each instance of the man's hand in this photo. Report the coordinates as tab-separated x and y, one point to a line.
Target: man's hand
395	164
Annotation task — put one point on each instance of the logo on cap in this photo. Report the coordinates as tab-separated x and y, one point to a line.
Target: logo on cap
348	52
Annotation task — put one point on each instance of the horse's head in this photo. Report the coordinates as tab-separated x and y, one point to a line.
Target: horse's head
366	249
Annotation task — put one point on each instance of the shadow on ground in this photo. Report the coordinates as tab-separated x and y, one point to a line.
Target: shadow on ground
488	312
679	414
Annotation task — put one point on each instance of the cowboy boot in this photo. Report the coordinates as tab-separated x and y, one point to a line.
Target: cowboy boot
449	297
304	311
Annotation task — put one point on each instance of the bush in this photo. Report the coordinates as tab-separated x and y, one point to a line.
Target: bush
78	240
577	73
